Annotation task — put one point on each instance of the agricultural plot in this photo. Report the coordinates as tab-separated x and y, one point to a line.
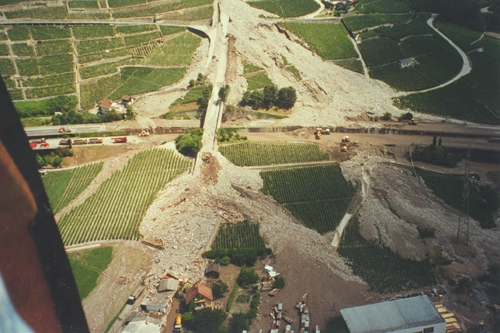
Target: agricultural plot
263	153
93	92
383	270
49	32
414	27
138	80
168	30
450	190
380	51
93	31
19	32
382	6
142	38
440	66
83	4
3	35
258	81
16	94
360	22
417	45
149	10
284	8
351	64
94	45
177	51
89	15
461	36
47	13
27	67
328	40
196	3
64	186
4	50
191	14
50	91
49	80
102	69
56	68
89	57
22	49
54	47
318	196
130	29
406	79
116	209
124	3
7	67
238	236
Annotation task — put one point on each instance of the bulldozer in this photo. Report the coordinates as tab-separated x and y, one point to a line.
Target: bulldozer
144	133
317	134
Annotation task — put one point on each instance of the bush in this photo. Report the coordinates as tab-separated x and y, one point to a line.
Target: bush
224	261
224	92
190	143
247	277
239	323
435	155
219	288
386	116
279	283
45	107
204	320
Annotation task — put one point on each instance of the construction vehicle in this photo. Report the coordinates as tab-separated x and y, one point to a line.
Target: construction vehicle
95	141
412	122
344	144
144	133
64	130
122	139
178	323
317	134
80	141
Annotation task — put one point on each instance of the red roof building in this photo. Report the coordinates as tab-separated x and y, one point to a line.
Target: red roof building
202	296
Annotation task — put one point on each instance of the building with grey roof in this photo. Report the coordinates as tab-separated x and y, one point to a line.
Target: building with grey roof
168	285
407	315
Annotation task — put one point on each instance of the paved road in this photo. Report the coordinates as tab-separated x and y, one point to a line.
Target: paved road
54	130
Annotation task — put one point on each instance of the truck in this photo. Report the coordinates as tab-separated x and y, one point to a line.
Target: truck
122	139
64	142
80	141
95	140
64	130
44	145
178	323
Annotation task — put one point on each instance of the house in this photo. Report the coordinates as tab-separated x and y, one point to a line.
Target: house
159	302
213	270
202	296
270	271
168	285
104	106
407	315
406	62
126	100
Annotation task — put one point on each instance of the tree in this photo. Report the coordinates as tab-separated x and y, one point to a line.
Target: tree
200	77
279	283
219	288
204	320
203	101
247	277
130	112
239	323
40	161
407	116
287	97
434	141
191	83
56	161
224	92
270	96
386	116
190	143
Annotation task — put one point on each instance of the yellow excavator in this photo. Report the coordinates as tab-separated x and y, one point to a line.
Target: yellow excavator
344	144
317	134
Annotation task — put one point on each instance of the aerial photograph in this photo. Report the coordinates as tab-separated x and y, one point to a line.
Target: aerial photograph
230	166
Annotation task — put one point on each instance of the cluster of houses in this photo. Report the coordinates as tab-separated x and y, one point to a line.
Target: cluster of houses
107	105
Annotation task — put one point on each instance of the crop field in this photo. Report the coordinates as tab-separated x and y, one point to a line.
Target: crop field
83	4
417	45
380	51
16	94
461	36
417	26
177	51
142	38
50	91
258	81
264	153
4	50
116	209
27	67
19	32
89	15
7	67
89	57
54	47
93	31
441	65
123	3
196	3
93	92
168	30
192	96
383	270
64	186
351	64
102	69
192	14
284	8
22	49
450	190
56	68
93	45
361	22
66	78
139	80
39	13
318	196
49	32
382	6
406	79
238	236
87	267
148	10
130	29
328	40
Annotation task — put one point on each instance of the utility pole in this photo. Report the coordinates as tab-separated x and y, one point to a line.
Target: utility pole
463	218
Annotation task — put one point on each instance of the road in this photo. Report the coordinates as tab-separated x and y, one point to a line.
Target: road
54	130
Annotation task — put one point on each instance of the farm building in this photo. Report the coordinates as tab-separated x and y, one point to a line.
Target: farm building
406	62
213	270
168	285
104	106
159	302
408	315
202	296
126	100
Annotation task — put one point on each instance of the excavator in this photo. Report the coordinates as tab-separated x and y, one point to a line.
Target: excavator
317	134
144	133
344	144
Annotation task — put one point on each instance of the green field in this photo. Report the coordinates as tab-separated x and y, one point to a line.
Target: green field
144	38
196	3
328	40
54	47
238	236
4	50
382	6
192	96
46	13
149	10
93	31
49	32
406	79
258	81
124	3
7	67
116	209
50	80
380	51
18	32
191	14
461	36
450	189
27	67
91	93
102	69
168	30
318	196
177	51
50	91
417	45
268	153
64	186
383	270
416	26
82	4
284	8
130	29
361	22
22	49
87	266
93	45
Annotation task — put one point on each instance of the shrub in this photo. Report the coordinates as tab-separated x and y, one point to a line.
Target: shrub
247	277
190	143
279	283
406	116
219	288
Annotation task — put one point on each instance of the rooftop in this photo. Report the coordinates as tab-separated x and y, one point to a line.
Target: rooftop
168	285
392	315
106	103
201	289
141	327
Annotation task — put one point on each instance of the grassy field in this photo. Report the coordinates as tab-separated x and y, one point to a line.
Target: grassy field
177	51
328	40
262	153
250	68
284	8
87	266
64	186
258	81
116	209
361	22
450	190
383	270
318	196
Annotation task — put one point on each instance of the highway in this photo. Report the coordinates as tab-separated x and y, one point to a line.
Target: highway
54	130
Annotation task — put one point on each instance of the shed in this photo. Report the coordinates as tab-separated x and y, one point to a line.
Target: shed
158	302
168	285
213	270
126	99
142	327
104	106
406	62
414	314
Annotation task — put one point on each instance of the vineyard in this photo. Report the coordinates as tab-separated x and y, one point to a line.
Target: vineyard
383	270
450	189
237	236
64	186
263	153
285	8
318	196
116	209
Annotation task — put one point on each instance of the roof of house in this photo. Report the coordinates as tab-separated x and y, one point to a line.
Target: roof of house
168	285
201	289
105	104
213	267
156	300
406	61
142	327
391	315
